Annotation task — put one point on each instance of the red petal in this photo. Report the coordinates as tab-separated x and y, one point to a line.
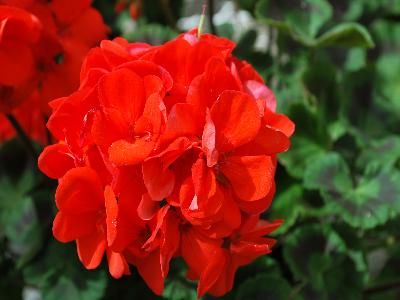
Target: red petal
129	188
80	191
114	53
117	264
225	282
67	228
158	181
56	160
197	249
236	118
124	153
215	267
109	126
112	213
17	64
173	57
170	241
144	68
208	141
205	89
18	24
270	141
161	213
279	122
147	207
262	93
150	270
202	58
229	219
153	84
203	179
183	120
261	228
249	250
251	177
95	28
123	90
148	126
91	249
66	12
258	206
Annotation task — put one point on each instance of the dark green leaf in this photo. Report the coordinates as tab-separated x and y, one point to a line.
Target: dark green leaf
329	172
301	18
372	201
288	205
59	272
317	256
178	290
265	287
379	154
348	35
310	140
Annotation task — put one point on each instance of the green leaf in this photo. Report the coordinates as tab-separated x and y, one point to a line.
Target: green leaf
328	173
387	90
301	18
90	287
58	272
19	221
371	201
356	59
305	242
348	35
321	80
317	256
151	33
288	205
265	286
378	154
177	290
311	139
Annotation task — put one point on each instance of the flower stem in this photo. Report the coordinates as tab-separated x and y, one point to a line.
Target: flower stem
201	22
22	136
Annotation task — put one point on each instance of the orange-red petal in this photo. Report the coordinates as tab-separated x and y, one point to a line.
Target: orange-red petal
236	118
251	177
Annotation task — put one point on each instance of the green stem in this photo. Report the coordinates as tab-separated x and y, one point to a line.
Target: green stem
22	136
201	21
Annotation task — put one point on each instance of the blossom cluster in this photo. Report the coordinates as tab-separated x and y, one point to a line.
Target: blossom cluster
167	151
42	46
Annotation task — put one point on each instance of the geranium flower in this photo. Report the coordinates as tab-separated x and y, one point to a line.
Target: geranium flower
177	143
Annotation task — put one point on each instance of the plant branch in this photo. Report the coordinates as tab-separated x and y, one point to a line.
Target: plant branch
169	16
210	16
383	287
22	136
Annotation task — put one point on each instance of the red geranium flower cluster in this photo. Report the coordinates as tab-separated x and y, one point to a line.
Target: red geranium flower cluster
42	46
167	151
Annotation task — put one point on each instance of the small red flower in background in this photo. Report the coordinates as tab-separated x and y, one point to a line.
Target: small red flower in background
42	46
167	151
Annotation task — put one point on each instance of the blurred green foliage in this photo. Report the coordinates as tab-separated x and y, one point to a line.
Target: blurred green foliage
335	68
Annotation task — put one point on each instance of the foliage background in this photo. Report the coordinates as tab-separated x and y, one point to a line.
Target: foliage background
335	68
